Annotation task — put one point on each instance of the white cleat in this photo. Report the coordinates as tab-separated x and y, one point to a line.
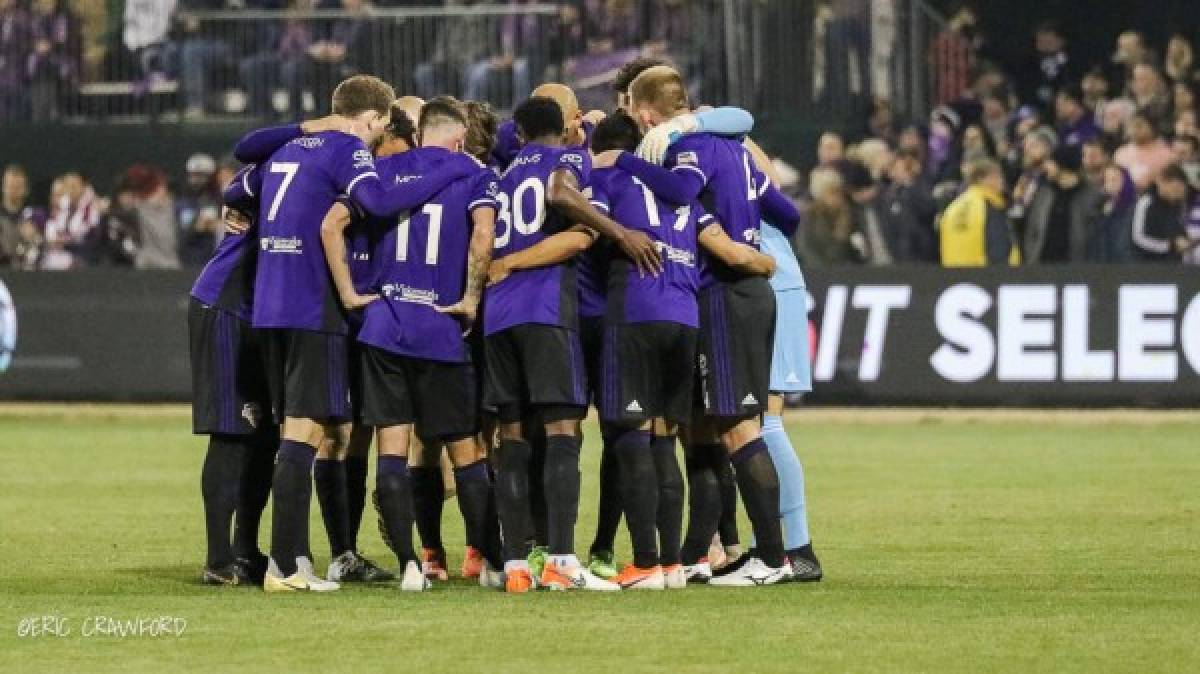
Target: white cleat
753	572
341	566
574	577
700	572
414	579
675	577
303	580
491	578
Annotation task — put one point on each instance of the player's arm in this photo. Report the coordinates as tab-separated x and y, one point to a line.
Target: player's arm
259	144
564	195
738	256
242	192
368	192
775	206
552	250
726	121
679	186
333	240
479	258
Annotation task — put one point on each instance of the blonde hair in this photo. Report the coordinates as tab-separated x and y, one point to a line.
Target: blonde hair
660	88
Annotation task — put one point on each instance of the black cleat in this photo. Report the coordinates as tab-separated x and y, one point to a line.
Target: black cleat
351	567
229	574
805	567
253	568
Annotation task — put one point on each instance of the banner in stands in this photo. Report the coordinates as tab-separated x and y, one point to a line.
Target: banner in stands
1118	335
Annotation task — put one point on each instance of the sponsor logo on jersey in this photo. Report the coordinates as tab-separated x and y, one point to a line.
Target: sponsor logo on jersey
363	159
686	258
753	236
400	292
572	158
309	142
292	245
689	158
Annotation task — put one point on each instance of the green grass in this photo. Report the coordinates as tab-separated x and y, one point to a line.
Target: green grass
950	544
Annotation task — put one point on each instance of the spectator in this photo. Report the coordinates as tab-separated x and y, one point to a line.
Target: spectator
1145	155
953	56
1075	204
517	32
1185	151
1131	50
1185	123
283	61
831	149
75	210
1158	230
1096	159
54	63
1033	196
908	211
828	232
115	242
344	52
1049	70
15	40
1180	62
198	54
870	160
147	23
1076	124
1150	94
1114	122
462	43
198	211
996	119
881	122
14	199
1111	228
1094	86
1183	97
156	217
974	230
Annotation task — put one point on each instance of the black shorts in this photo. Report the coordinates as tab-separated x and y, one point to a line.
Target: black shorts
438	397
532	365
649	372
229	384
591	339
309	374
737	338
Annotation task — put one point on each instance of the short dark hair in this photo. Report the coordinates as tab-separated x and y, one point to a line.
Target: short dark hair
629	72
539	116
441	110
361	93
402	126
482	124
618	131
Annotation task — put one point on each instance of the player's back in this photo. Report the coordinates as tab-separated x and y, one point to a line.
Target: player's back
545	295
732	182
227	279
419	260
670	295
300	183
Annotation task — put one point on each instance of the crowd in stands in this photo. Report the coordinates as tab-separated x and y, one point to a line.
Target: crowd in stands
1063	161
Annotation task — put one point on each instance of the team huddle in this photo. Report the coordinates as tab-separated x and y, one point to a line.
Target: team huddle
417	275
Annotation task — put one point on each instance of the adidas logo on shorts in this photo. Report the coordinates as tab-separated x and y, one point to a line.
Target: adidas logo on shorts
749	399
634	407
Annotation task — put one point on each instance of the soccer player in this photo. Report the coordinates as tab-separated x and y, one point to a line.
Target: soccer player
649	354
737	309
429	269
294	299
230	402
578	125
533	354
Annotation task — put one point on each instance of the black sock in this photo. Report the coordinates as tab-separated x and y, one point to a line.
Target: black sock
393	502
291	489
561	483
804	552
670	499
429	495
220	480
329	479
356	495
727	526
474	487
608	515
255	491
639	495
537	489
704	503
759	484
512	497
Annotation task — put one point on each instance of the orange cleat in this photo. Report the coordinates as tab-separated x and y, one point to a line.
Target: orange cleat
433	564
518	581
635	578
472	563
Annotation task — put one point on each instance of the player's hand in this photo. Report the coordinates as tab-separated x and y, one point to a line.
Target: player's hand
594	117
658	140
769	263
466	310
236	222
643	251
497	272
606	159
355	301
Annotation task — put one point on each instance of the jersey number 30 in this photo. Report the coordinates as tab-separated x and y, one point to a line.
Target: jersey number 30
513	214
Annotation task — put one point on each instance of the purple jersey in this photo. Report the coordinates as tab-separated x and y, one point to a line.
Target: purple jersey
545	295
732	186
508	143
670	296
301	181
419	260
227	281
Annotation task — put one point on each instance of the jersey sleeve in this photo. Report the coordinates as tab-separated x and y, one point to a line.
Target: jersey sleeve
352	163
484	191
242	192
578	162
703	217
597	195
692	160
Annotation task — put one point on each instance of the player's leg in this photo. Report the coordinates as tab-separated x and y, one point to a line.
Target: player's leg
608	510
220	479
727	528
329	480
351	566
476	502
253	493
678	367
429	495
701	452
535	434
792	508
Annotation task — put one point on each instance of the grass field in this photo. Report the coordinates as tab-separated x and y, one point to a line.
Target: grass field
1063	542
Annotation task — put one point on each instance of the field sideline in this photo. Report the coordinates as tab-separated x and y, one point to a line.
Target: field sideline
988	540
